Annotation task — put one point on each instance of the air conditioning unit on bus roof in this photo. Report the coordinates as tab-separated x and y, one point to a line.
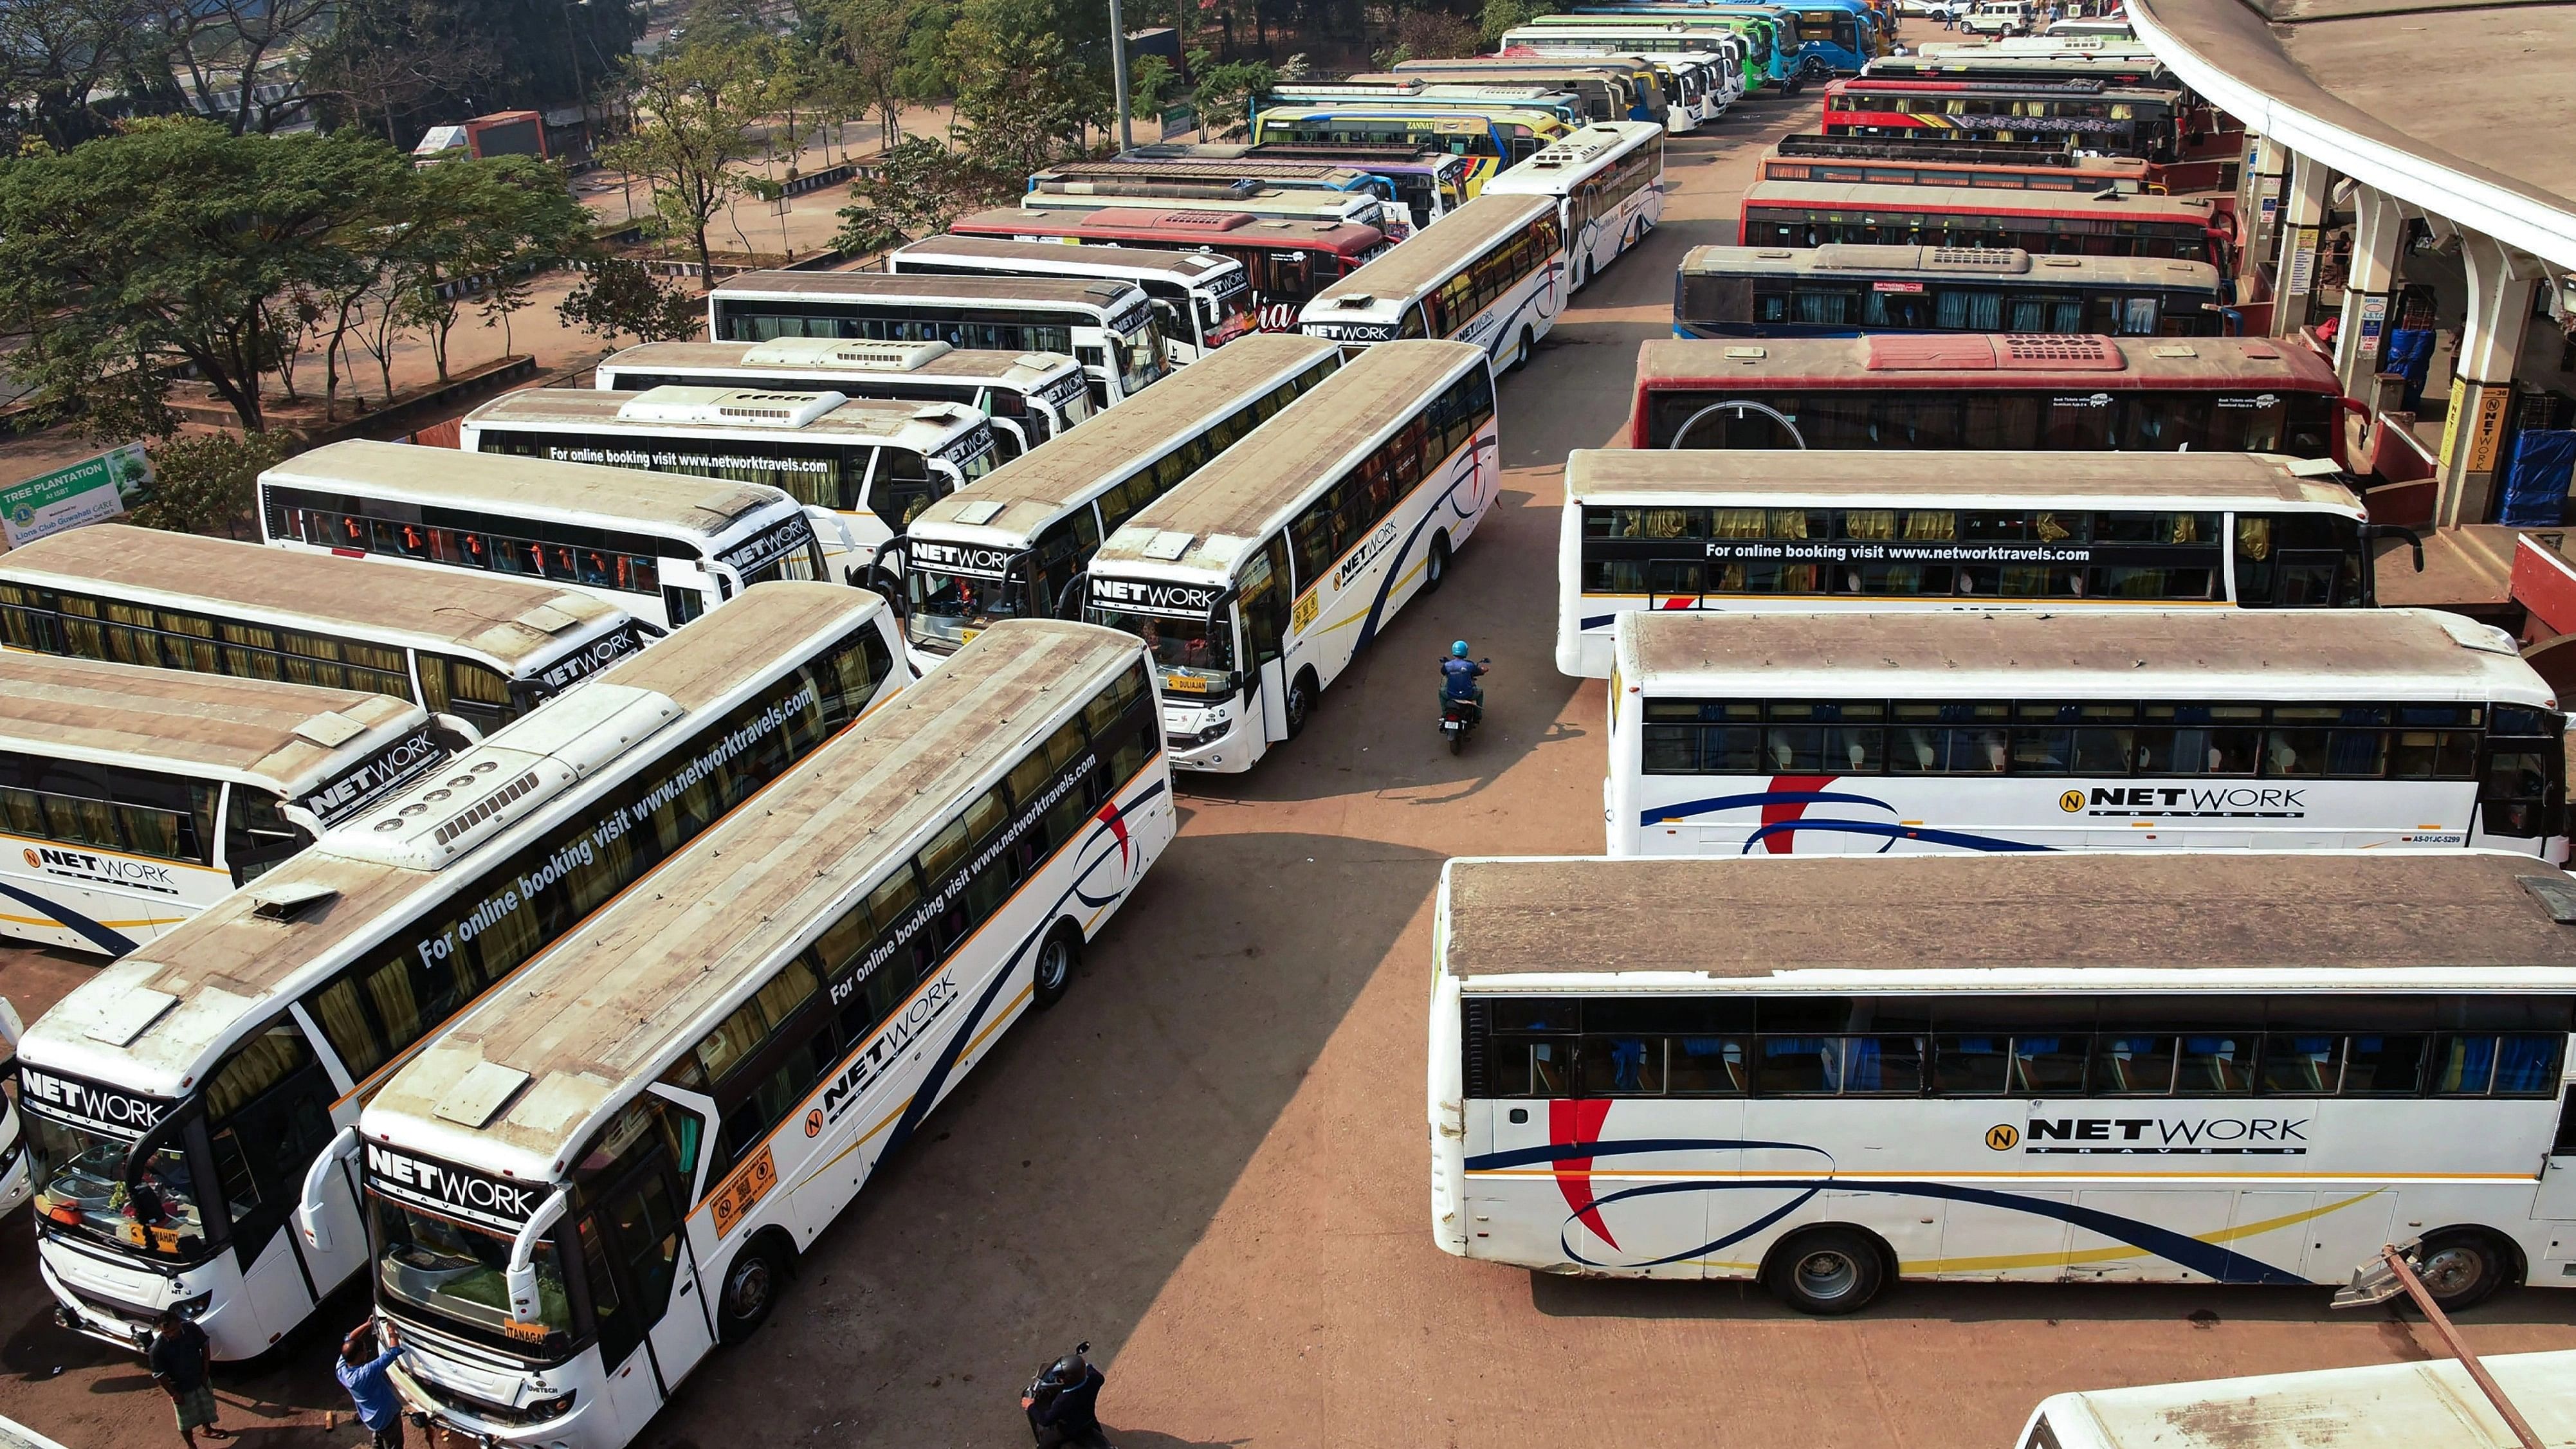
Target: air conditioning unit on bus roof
740	406
833	352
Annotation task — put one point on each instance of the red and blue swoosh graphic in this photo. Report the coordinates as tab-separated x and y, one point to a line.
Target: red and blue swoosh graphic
1784	814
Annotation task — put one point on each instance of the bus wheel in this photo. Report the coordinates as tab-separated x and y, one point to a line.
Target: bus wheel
1301	702
1056	960
1435	570
2462	1267
1521	357
751	1286
1826	1271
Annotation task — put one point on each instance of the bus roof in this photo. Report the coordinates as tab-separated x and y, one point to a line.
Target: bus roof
1418	265
614	999
1141	261
225	968
1952	261
1954	153
1899	360
1204	170
1575	154
1905	477
506	620
265	732
897	287
1979	200
2037	654
1177	228
706	507
1036	488
2204	919
674	410
1251	489
2374	1406
1287	203
858	358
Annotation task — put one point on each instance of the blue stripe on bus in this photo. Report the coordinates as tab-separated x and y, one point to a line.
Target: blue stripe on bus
1894	833
1448	499
1767	797
113	942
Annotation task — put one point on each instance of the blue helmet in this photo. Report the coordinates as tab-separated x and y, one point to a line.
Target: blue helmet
1458	650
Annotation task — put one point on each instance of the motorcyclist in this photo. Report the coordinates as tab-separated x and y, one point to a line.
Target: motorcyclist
1458	678
1069	1415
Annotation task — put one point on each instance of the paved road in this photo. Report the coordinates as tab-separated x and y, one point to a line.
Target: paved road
1210	1160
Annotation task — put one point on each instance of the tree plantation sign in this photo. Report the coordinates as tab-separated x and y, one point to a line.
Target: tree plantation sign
86	492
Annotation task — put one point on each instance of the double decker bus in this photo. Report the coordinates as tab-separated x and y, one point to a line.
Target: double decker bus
665	549
2006	165
2101	224
1984	390
1493	275
2121	120
181	1102
2137	1066
1796	532
1156	170
1843	290
2153	729
1028	397
1608	183
713	1069
1255	583
1111	328
1285	261
131	799
485	650
1012	545
1496	136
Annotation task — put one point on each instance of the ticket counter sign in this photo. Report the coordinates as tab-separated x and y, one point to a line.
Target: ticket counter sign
88	491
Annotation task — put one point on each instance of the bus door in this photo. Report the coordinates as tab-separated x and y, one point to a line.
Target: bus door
2556	1199
645	1298
1263	605
2522	786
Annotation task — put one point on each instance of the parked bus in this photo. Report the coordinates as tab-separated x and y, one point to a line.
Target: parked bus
1612	89
1567	108
1816	38
1608	185
2126	1067
1205	299
1797	532
1029	396
2157	729
1160	168
1770	55
1497	137
1012	545
1275	203
2123	69
485	650
2004	165
180	1101
2123	121
15	1185
664	549
1812	214
1285	261
1493	275
861	468
1111	328
1745	53
1698	87
1427	181
1256	583
1843	290
1983	390
560	1260
131	799
2373	1406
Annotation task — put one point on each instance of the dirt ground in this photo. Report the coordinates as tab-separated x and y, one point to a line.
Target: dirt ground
1210	1160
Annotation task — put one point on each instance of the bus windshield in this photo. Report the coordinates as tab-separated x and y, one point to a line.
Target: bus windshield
1196	655
457	1272
80	1175
949	609
1141	354
1228	314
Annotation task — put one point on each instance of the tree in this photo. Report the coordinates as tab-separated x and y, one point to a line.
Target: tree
1150	82
164	245
388	60
1431	35
618	298
1023	93
868	44
240	49
1502	15
465	219
1226	93
207	483
919	189
70	68
694	108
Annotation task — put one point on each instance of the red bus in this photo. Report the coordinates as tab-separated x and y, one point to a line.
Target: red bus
1814	213
2003	165
1287	262
1989	390
2120	120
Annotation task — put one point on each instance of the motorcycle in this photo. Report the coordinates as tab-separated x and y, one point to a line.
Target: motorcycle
1051	1379
1459	717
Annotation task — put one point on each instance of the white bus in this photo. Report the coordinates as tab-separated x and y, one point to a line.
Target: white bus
2416	1405
1205	299
664	549
1876	734
1608	183
574	1195
178	1101
1012	545
2139	1067
1802	532
15	1188
1029	396
1247	197
861	468
1492	274
1256	582
131	799
1111	328
485	650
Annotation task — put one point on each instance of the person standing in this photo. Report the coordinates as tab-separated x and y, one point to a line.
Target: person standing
181	1358
379	1407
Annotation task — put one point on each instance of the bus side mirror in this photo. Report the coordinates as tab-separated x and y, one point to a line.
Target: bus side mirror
312	1213
1076	589
2413	539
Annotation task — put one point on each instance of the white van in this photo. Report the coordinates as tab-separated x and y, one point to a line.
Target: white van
1998	17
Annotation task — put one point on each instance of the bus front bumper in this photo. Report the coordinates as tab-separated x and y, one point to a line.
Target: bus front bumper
1206	737
439	1393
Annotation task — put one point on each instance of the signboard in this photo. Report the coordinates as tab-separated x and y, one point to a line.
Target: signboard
2374	321
2451	419
88	491
2303	262
2487	435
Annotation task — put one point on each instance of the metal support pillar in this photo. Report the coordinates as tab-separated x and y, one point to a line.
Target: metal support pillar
2303	214
2370	294
2500	283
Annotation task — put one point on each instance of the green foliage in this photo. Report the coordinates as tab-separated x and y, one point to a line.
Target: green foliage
1226	93
1436	35
207	483
694	107
468	220
921	187
1150	83
619	298
1024	93
1502	15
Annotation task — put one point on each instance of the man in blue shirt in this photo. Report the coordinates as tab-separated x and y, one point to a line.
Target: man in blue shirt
1458	676
379	1407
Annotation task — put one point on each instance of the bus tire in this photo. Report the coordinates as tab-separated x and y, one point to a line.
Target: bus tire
1435	569
1300	702
752	1283
1052	973
1826	1271
2462	1267
1521	356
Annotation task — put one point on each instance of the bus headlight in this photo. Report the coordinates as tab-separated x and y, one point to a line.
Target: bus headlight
194	1306
547	1410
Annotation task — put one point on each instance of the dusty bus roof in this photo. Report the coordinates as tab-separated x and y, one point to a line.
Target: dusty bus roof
1417	265
517	485
827	356
1935	359
229	965
1035	488
1904	476
1139	219
491	616
1253	488
893	287
1958	262
652	972
2374	1406
265	732
2039	654
1857	196
682	411
1145	261
1839	922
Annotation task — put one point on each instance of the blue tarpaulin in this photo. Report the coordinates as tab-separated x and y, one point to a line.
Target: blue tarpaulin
2535	478
2410	352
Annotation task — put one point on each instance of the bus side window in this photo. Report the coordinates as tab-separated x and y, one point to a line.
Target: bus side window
256	836
680	605
900	488
1264	601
